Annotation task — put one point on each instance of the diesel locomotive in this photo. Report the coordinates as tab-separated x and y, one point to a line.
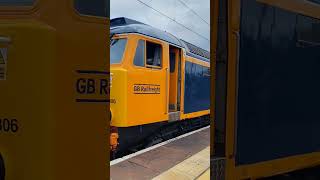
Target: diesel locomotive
159	88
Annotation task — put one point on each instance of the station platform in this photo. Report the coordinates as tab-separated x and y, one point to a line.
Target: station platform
184	157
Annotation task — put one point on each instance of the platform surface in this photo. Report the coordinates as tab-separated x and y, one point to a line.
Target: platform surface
191	168
185	158
205	175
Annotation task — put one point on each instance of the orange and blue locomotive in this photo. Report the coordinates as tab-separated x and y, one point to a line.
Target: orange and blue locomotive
160	85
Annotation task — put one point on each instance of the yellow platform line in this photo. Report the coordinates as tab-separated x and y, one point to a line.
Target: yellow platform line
205	175
190	168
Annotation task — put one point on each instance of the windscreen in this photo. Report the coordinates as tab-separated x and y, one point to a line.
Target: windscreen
117	48
99	8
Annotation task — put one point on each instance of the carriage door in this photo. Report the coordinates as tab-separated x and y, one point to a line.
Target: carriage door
175	84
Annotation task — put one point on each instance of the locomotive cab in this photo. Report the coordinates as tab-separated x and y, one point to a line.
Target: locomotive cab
147	72
139	68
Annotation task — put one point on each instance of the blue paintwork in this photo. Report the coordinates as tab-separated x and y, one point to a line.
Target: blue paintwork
198	57
197	88
279	89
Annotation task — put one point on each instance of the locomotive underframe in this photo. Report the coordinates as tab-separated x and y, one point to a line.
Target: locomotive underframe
133	139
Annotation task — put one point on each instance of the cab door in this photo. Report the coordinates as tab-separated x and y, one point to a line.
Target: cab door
148	78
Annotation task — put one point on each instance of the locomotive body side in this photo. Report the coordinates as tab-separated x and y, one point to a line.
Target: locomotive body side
196	88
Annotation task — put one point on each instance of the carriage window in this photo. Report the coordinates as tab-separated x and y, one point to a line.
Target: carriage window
117	47
139	57
92	7
16	2
154	54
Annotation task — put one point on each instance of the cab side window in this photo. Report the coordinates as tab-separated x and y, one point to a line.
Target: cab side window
139	57
154	55
315	1
99	8
16	2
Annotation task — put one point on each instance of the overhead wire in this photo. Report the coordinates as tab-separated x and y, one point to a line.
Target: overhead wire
193	11
161	13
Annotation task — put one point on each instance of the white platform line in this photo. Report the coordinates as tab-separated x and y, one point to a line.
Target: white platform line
116	161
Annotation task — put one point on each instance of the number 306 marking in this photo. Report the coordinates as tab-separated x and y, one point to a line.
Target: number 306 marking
8	125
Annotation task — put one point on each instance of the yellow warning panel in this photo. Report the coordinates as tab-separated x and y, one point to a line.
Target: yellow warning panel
190	168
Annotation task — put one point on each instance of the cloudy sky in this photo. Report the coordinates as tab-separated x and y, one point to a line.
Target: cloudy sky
186	12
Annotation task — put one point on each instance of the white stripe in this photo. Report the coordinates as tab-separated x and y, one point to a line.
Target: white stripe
116	161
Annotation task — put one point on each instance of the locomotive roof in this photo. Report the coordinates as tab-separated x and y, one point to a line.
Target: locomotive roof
124	25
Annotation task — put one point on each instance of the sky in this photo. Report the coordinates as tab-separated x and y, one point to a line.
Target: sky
185	12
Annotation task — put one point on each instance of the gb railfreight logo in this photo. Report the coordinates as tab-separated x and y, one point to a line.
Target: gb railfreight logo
92	86
146	89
